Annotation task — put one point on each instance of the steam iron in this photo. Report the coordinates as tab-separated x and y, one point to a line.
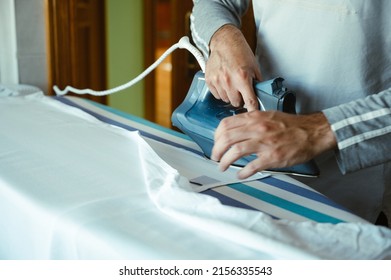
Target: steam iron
200	113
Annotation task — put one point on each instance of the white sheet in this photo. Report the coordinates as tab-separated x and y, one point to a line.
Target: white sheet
85	189
204	173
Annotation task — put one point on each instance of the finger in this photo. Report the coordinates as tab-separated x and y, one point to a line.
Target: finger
219	93
226	135
249	97
235	98
257	165
263	161
213	84
214	91
237	151
220	147
228	124
223	95
251	102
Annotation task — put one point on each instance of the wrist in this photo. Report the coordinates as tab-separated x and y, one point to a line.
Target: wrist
323	138
225	35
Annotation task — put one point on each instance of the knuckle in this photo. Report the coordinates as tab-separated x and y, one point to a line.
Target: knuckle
252	167
224	124
255	114
243	73
239	149
279	156
210	79
225	79
252	102
262	128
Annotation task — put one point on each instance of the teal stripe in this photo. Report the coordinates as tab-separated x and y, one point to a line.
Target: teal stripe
139	120
285	204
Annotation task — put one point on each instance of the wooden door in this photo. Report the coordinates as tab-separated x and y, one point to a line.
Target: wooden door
76	30
174	23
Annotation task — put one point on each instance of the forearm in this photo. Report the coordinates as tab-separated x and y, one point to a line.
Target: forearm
363	131
227	35
210	15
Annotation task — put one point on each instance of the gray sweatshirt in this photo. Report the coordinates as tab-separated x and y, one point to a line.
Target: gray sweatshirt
336	55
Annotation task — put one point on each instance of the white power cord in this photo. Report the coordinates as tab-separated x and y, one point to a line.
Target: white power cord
183	43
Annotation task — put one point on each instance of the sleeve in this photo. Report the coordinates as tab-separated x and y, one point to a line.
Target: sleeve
363	131
209	15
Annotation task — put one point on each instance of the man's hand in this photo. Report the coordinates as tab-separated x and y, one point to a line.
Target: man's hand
278	139
232	68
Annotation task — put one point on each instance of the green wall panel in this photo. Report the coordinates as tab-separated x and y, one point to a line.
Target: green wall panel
125	53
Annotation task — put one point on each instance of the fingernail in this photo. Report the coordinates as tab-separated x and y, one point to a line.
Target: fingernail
222	168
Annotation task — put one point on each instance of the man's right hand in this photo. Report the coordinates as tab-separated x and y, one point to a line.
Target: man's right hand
277	139
232	68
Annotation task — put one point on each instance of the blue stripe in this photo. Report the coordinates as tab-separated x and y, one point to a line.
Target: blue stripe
285	204
227	200
303	192
128	127
139	120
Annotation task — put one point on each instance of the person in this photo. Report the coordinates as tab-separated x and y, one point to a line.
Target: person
336	56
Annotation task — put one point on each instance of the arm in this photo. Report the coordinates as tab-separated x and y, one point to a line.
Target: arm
210	15
363	131
231	67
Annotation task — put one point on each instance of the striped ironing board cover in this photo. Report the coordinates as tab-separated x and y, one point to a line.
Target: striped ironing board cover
279	196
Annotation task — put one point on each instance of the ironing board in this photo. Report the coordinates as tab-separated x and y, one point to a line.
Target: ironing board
279	196
80	180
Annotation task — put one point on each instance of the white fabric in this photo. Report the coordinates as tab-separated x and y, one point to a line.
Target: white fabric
203	174
74	187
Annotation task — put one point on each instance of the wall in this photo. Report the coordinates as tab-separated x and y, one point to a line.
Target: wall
23	47
124	29
8	51
31	42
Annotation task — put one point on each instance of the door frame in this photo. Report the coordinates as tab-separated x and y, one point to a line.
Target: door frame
179	75
149	57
